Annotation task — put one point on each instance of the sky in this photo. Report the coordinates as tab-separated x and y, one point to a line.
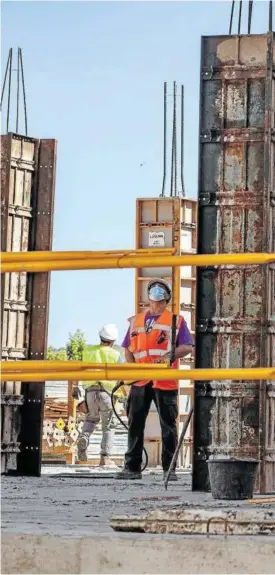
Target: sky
94	74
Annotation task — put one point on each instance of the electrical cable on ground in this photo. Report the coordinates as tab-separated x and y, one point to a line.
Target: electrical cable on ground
117	386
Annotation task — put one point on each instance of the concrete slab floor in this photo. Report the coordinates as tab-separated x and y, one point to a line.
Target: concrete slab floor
78	506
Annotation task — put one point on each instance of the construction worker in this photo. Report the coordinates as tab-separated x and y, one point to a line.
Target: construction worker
149	340
98	397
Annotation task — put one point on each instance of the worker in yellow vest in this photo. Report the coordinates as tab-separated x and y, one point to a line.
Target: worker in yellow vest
98	397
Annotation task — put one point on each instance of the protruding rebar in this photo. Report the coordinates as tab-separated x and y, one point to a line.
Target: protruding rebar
175	141
250	8
182	143
18	90
5	77
270	16
164	138
9	92
173	145
240	17
24	92
231	17
8	75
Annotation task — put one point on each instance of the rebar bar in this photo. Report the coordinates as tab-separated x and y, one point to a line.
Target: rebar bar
5	77
240	17
270	15
182	143
231	17
9	92
250	8
164	138
175	142
18	91
24	92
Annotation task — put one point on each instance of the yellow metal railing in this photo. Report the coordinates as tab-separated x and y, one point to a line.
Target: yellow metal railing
58	261
27	371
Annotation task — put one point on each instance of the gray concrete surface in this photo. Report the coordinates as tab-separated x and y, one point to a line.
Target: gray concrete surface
140	554
57	524
75	505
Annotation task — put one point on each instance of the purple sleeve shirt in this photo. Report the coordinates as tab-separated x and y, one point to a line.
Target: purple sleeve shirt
184	335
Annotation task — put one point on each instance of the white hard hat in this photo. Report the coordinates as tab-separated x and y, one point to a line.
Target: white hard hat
109	332
163	283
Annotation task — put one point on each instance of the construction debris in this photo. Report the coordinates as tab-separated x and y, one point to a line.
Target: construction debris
199	521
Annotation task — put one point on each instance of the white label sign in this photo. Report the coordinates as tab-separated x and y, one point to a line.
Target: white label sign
156	239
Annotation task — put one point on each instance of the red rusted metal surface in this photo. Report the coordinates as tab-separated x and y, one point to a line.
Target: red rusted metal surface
27	176
235	307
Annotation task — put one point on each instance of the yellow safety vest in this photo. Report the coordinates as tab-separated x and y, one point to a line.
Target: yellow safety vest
101	354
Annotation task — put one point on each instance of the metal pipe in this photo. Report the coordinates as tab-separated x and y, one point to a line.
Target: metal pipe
18	91
24	92
164	139
9	92
250	8
56	365
240	17
8	257
140	262
182	143
231	17
5	78
110	374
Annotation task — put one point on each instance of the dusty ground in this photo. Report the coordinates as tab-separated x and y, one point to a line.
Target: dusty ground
74	505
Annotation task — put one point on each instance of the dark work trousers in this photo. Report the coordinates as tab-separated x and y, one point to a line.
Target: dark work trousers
138	406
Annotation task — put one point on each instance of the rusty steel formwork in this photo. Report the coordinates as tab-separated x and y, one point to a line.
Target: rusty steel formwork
235	324
27	197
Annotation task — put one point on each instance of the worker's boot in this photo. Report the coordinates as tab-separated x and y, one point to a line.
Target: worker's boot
126	473
106	461
82	446
172	476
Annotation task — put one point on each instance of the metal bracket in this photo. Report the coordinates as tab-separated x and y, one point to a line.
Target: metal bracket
205	325
207	136
12	399
10	447
207	199
187	306
207	73
187	226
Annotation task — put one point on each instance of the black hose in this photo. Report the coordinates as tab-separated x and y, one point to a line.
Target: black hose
117	386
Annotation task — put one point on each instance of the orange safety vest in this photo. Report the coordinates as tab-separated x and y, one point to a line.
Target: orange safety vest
146	347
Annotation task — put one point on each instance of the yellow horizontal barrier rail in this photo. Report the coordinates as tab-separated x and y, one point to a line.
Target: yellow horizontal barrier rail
11	257
132	261
56	365
135	374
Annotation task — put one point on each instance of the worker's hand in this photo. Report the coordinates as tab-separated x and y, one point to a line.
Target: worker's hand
76	393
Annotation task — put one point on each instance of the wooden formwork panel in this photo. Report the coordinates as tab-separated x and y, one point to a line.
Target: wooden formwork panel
27	192
170	223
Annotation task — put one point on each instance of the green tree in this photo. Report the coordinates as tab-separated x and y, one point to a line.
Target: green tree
76	345
56	354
